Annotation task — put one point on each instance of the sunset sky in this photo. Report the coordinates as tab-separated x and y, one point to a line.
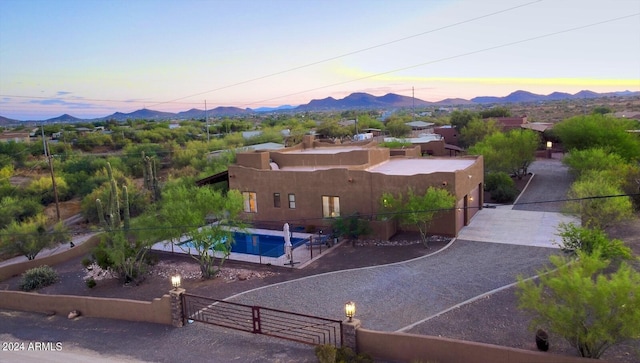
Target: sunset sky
92	58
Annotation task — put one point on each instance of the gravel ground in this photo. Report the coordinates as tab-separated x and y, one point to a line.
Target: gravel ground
421	287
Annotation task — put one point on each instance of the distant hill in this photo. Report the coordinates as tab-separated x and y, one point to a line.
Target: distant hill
143	114
5	121
358	100
66	118
524	96
273	109
362	100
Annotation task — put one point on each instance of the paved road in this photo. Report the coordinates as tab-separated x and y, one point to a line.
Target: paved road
388	297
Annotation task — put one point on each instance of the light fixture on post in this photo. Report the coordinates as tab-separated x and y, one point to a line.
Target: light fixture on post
350	310
549	147
175	281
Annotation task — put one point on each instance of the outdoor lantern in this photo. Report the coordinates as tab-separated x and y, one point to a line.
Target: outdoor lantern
175	281
350	309
549	144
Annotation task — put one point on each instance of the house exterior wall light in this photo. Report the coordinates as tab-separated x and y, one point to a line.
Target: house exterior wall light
175	281
350	310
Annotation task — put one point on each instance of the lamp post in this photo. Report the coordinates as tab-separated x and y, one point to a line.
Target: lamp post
175	281
549	146
350	310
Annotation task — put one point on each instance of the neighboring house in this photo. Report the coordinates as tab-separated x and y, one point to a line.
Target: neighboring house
449	133
430	144
15	136
309	184
510	123
420	127
634	115
83	130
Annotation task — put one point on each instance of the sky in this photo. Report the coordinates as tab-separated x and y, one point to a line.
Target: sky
91	58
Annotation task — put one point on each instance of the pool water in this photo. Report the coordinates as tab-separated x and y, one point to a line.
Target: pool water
257	244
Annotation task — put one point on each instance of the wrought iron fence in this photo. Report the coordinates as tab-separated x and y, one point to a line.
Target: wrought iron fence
288	325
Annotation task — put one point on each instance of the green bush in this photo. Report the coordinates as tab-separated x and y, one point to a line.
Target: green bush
326	353
38	277
493	180
501	186
504	194
86	262
91	283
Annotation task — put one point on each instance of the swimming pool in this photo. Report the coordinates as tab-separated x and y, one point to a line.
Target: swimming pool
257	244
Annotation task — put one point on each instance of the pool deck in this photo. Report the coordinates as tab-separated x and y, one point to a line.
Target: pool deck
302	255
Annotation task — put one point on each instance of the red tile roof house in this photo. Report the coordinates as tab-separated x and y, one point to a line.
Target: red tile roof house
311	183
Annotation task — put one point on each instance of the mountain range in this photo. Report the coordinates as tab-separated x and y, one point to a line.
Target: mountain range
353	101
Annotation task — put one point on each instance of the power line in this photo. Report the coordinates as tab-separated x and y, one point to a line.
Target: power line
349	53
449	58
304	65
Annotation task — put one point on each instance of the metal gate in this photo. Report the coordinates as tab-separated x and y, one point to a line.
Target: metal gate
260	320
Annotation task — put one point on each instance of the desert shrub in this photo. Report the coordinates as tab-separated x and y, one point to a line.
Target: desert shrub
501	187
330	354
346	355
38	277
575	238
493	180
91	283
504	194
326	353
86	262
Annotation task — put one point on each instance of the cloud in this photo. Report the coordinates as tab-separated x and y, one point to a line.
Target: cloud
63	93
60	102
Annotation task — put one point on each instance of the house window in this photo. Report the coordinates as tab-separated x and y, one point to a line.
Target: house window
292	201
276	200
330	206
250	202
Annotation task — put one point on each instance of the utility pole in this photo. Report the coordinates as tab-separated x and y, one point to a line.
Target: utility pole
206	119
413	104
356	126
53	178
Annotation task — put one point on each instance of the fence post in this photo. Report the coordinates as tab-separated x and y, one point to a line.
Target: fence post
349	331
177	310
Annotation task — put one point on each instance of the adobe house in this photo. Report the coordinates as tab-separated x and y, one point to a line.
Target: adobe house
310	183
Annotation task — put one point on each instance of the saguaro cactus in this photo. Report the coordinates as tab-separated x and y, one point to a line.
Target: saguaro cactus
110	218
150	176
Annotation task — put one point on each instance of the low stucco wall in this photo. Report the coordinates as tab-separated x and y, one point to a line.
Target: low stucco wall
157	311
402	347
83	249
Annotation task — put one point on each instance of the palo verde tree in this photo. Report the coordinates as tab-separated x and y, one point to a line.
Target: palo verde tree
578	238
598	131
476	130
511	152
599	200
203	216
577	300
417	210
31	236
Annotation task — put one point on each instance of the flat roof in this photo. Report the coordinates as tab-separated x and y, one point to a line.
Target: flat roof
326	150
420	166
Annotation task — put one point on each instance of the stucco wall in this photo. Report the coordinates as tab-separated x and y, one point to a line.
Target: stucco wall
402	347
156	311
358	190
